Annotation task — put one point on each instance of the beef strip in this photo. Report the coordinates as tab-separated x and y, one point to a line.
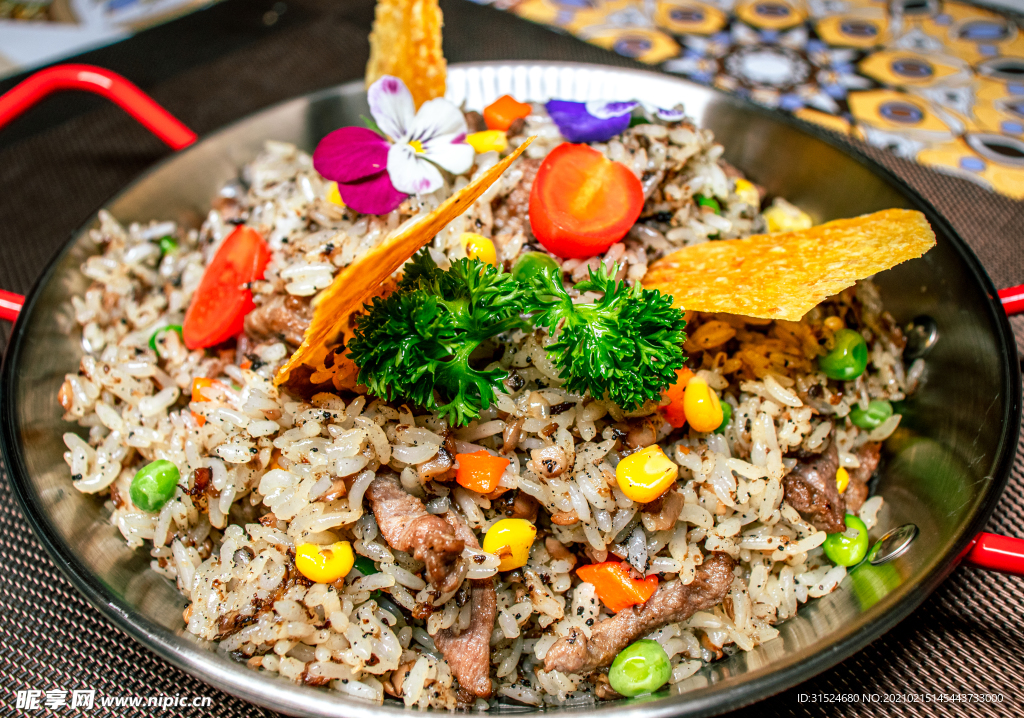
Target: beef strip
280	317
672	602
406	526
857	490
469	653
811	489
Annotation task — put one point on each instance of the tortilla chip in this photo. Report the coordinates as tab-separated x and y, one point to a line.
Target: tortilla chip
359	281
786	274
406	43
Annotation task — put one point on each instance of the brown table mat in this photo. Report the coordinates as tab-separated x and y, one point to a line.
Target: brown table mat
968	637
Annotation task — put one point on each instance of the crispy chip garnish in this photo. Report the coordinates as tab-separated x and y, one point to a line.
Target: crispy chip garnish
784	275
406	43
357	282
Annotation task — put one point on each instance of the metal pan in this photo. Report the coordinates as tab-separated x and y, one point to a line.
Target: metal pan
944	469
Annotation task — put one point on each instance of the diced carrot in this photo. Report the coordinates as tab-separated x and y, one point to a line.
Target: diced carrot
245	365
480	471
615	587
673	412
198	384
500	114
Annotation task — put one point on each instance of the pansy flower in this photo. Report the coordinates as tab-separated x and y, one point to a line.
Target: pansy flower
376	172
599	121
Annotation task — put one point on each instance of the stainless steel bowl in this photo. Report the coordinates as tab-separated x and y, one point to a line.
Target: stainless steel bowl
944	468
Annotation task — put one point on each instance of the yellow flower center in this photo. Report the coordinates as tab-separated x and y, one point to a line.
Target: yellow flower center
417	145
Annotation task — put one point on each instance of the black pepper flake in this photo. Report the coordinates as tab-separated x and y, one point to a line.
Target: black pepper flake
76	477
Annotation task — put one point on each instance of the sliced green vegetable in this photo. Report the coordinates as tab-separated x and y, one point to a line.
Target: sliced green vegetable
641	667
168	245
530	264
726	417
705	201
154	485
845	551
874	416
365	566
848	359
161	330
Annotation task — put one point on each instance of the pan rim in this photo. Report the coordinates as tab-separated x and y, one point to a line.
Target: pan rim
206	665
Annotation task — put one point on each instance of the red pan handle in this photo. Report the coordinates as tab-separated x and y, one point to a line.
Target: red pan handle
993	552
99	81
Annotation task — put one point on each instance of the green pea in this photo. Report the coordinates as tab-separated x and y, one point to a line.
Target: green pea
848	359
641	667
532	263
844	551
877	412
705	201
726	417
161	330
168	245
154	484
365	566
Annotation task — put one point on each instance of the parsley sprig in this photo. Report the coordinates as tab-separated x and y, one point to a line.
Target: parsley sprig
417	343
627	344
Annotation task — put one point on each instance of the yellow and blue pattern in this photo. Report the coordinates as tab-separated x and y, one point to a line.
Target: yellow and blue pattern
938	82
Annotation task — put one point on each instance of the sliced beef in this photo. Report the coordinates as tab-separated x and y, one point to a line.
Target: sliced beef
280	317
469	653
672	602
857	490
406	526
811	489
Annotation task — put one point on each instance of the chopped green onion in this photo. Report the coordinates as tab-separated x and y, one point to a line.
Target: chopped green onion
161	330
365	566
168	245
705	201
726	417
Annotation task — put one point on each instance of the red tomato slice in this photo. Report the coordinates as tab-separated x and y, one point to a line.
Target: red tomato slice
582	203
219	306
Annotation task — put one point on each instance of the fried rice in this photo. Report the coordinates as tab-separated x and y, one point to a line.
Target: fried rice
264	470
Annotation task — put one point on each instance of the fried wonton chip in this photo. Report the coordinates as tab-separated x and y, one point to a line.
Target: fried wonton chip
362	279
784	275
406	43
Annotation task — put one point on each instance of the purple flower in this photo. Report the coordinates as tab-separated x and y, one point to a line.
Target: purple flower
599	121
578	125
375	173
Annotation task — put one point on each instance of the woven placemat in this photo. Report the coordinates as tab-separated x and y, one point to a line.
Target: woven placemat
968	637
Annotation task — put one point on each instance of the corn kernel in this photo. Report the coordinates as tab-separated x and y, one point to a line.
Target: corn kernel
702	407
647	474
746	192
784	217
834	324
334	196
324	564
510	540
479	247
842	479
488	141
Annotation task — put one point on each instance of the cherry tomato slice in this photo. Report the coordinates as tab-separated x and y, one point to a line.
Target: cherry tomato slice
219	306
582	202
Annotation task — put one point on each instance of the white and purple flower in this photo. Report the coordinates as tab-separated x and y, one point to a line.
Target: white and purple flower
599	121
376	173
